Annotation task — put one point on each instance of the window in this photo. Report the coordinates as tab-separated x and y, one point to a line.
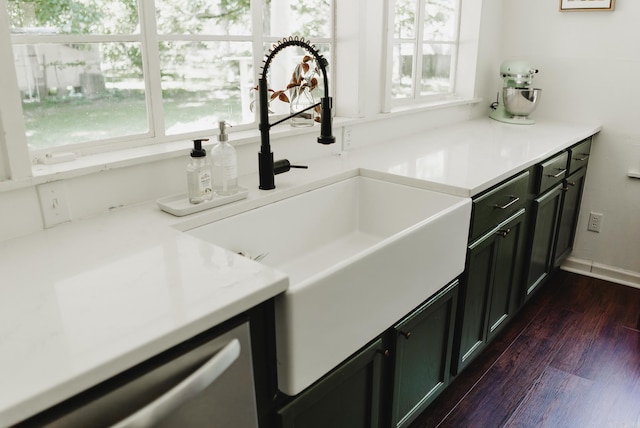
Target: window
424	49
109	72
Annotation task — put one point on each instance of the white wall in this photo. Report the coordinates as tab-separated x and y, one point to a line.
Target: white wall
589	70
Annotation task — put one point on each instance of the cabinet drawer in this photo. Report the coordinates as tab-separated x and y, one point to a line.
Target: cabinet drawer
498	204
551	171
579	155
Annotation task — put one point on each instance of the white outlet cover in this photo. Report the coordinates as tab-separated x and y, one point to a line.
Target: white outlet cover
53	203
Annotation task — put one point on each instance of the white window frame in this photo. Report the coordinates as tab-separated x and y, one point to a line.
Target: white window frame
418	43
19	159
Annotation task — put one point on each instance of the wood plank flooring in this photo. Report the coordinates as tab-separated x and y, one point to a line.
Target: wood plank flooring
570	358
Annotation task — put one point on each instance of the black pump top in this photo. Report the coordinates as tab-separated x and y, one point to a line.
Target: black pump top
198	151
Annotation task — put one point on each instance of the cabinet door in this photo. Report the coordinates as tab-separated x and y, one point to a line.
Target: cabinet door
545	209
474	298
423	355
490	289
572	190
504	298
349	397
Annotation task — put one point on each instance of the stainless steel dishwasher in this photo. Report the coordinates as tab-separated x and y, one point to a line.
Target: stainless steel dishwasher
206	385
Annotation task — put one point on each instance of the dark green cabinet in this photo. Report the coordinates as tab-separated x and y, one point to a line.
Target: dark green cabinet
422	357
489	293
545	210
348	397
504	297
555	208
570	208
571	198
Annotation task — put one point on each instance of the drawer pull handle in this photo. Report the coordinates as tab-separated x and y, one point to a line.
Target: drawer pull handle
514	199
584	157
385	353
503	232
562	171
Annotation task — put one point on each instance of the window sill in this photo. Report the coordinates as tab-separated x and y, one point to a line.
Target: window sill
95	163
433	105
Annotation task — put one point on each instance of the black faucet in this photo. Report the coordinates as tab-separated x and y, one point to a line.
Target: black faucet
266	166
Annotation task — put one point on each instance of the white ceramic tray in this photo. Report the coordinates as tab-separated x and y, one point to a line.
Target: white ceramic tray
179	205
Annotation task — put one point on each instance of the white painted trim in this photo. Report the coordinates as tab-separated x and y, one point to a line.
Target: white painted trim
151	64
14	159
601	271
387	47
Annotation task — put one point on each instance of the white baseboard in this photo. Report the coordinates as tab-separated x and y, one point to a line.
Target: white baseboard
600	271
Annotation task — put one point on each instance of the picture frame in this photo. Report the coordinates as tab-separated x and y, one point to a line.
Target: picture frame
586	5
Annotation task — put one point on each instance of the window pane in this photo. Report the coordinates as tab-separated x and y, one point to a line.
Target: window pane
309	19
74	17
436	69
81	92
440	20
213	17
402	71
204	82
283	67
405	19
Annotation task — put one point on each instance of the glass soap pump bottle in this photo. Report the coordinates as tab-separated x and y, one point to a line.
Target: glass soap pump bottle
225	164
199	181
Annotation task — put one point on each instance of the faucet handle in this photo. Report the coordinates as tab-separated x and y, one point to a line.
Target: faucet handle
326	134
283	165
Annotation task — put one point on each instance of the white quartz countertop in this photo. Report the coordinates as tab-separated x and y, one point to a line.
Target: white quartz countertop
469	158
85	300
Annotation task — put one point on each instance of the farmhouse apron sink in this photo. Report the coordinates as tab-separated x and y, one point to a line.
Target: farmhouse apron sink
360	253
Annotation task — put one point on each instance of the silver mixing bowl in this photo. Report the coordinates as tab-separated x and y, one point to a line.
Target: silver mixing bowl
520	102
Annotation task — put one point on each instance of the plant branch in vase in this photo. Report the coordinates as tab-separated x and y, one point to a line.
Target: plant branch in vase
299	94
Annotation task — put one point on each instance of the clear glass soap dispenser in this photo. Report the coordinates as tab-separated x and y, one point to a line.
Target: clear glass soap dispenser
225	164
199	182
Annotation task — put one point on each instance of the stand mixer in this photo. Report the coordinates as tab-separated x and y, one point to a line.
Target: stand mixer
518	98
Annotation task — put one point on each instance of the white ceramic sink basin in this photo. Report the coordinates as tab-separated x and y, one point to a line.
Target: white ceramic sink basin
360	253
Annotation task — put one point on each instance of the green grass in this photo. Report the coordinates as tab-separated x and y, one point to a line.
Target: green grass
62	121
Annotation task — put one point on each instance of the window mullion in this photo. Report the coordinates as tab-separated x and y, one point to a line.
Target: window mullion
456	50
151	67
258	45
388	45
72	38
417	69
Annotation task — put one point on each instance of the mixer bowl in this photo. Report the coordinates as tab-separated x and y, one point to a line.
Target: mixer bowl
520	101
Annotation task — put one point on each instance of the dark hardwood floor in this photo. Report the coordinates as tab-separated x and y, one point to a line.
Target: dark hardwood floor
570	358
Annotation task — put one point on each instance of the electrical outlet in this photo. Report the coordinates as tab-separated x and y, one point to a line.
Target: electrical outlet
53	203
346	137
595	221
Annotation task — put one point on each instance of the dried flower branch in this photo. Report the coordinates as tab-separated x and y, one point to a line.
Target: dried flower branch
303	78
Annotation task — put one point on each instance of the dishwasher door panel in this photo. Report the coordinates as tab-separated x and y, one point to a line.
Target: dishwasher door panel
228	402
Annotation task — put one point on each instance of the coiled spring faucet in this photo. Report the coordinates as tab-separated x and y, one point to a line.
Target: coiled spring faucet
266	166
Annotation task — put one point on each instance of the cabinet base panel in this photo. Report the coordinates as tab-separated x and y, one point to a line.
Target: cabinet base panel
601	271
